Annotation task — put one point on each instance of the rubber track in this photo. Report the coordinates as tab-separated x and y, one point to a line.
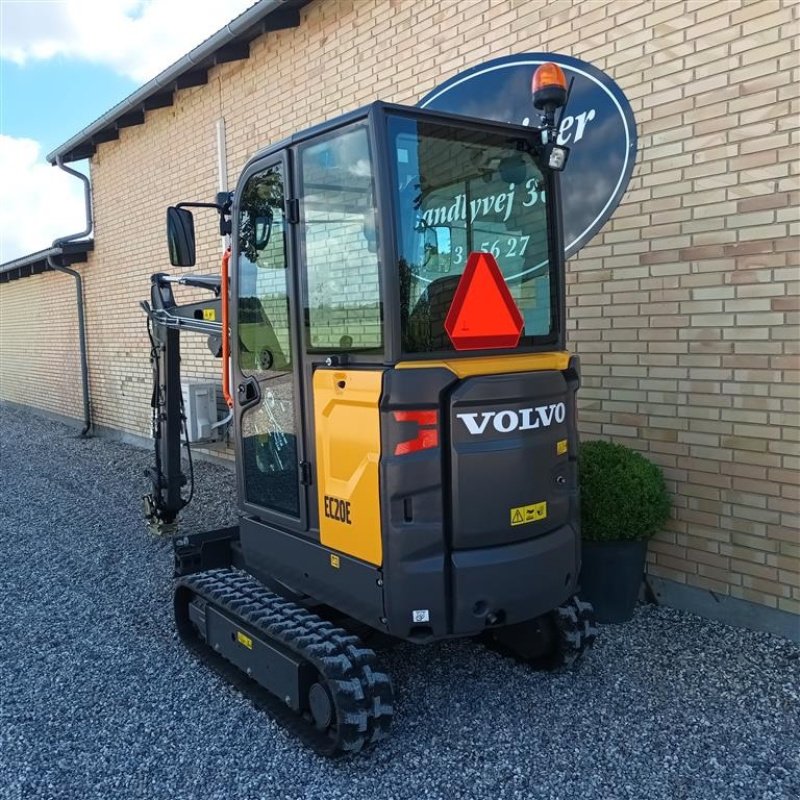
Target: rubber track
575	633
576	628
362	696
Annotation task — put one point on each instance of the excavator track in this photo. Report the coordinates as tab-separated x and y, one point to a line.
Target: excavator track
553	642
348	703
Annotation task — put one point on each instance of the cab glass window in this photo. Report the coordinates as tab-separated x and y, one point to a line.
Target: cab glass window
460	190
268	428
339	243
263	319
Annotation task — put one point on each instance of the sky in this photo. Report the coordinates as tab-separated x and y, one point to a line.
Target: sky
63	63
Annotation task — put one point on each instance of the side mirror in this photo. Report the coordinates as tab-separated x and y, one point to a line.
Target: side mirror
437	248
370	232
513	169
180	237
262	228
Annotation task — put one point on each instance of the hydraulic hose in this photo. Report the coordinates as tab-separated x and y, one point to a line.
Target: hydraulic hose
226	340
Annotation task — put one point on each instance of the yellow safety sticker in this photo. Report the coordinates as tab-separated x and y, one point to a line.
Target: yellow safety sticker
561	447
244	639
335	561
209	314
522	515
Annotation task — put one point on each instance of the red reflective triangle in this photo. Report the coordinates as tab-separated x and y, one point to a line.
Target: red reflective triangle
483	313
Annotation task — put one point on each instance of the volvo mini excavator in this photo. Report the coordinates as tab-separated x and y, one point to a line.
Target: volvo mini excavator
390	319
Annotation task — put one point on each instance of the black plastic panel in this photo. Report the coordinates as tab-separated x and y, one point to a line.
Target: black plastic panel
505	432
306	568
515	582
414	532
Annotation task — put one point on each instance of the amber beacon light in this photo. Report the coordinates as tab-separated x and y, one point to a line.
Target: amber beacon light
549	90
549	87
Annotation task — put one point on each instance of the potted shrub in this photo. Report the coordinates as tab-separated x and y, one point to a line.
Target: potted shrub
623	503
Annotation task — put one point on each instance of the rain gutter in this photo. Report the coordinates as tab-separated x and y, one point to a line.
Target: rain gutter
201	56
57	243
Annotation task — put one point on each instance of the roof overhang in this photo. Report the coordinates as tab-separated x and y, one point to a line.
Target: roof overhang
231	43
36	263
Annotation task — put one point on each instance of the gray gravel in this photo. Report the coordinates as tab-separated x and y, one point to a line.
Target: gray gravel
99	700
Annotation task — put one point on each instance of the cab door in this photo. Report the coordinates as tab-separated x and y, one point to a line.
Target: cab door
266	354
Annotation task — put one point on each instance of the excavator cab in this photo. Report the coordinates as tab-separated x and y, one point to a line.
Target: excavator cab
402	406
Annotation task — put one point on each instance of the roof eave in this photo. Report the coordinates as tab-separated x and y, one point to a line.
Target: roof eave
36	263
228	44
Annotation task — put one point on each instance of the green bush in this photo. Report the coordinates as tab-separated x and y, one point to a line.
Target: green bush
623	496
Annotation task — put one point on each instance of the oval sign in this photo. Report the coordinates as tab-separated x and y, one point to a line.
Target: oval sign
597	125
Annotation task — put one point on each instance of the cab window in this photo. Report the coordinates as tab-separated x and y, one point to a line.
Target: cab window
461	190
339	244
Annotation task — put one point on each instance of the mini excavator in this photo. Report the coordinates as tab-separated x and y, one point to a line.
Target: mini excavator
390	319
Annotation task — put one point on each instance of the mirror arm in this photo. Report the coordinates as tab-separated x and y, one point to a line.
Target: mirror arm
200	205
224	209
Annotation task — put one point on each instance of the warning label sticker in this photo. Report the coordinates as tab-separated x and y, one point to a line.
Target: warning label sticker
522	515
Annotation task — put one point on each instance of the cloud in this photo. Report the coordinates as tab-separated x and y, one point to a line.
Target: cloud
136	38
38	202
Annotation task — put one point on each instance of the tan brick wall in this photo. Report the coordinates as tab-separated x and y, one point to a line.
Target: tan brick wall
684	309
39	355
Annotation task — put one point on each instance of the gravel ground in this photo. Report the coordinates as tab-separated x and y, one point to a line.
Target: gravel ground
99	700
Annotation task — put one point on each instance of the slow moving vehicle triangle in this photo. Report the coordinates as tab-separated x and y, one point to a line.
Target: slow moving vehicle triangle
483	314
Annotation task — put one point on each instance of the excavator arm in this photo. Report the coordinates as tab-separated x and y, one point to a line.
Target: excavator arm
166	321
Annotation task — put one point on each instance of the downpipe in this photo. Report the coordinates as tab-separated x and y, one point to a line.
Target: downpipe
57	243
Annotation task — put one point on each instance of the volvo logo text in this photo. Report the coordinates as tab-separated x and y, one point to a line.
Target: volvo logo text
506	421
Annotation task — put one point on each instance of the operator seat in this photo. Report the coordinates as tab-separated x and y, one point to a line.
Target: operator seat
426	321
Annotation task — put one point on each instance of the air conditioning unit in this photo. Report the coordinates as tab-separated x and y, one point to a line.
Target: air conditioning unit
200	408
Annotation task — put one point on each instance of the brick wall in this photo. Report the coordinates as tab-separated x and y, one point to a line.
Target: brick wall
39	355
684	309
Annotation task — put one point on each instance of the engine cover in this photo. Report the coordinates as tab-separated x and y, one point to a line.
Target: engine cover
513	457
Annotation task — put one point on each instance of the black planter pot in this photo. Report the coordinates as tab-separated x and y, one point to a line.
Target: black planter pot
611	576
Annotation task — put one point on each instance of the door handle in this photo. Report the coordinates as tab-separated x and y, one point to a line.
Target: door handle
248	391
